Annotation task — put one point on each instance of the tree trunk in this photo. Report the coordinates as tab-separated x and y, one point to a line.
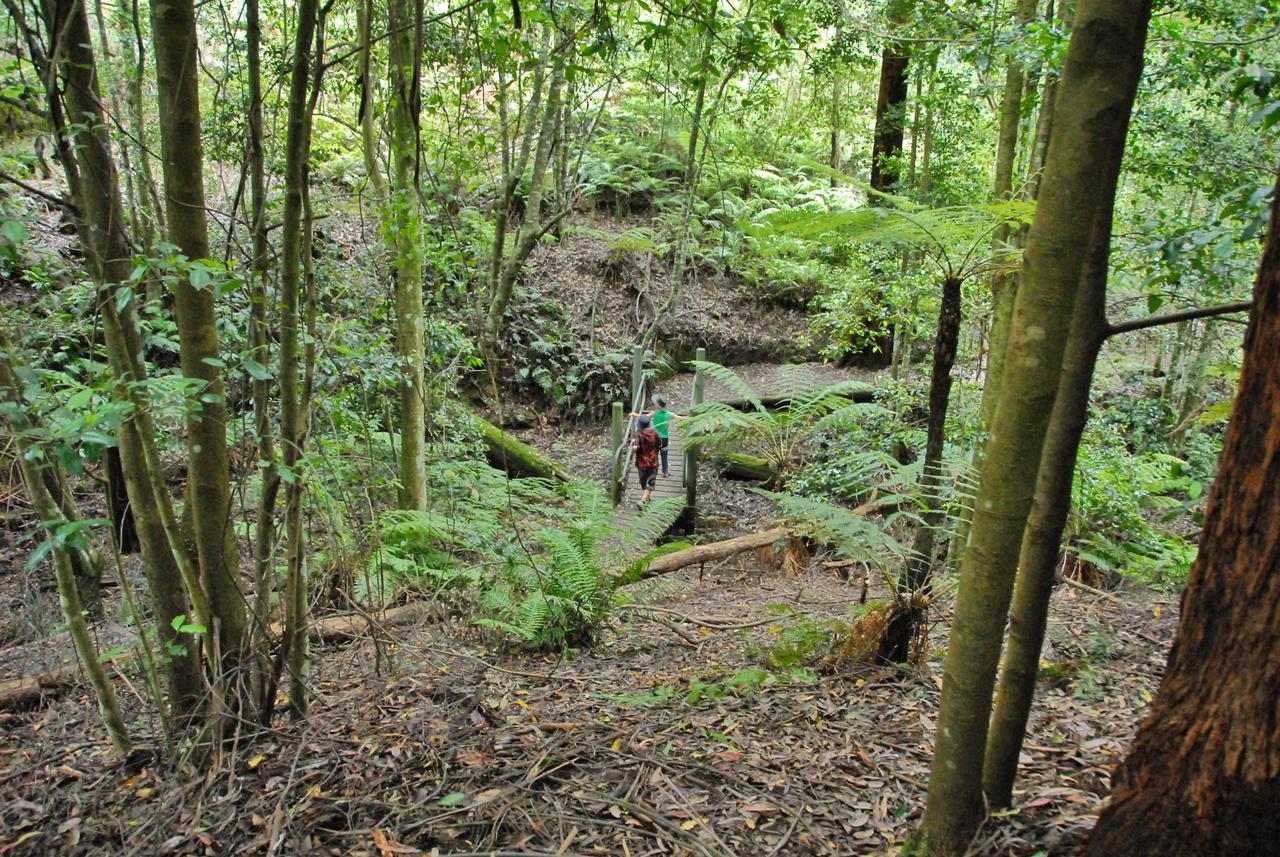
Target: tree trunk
1004	283
54	521
944	357
259	344
532	227
895	646
292	409
91	177
403	225
891	101
208	474
1203	775
1042	538
1099	79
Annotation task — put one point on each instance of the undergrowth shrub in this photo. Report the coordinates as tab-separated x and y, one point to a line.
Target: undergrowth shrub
536	562
1130	511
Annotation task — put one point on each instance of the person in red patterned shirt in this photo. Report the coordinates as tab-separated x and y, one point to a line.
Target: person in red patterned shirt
647	444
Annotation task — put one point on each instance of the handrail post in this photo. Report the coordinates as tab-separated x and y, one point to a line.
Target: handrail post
616	460
637	375
691	451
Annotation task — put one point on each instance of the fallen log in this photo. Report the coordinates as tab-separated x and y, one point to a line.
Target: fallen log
706	553
30	691
515	457
335	628
739	465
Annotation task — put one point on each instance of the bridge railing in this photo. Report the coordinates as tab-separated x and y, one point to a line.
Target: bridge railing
624	427
692	451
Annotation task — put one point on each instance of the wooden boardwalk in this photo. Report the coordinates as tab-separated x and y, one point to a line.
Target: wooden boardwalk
667	486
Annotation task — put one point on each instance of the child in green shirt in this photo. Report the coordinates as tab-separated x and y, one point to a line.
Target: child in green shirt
662	425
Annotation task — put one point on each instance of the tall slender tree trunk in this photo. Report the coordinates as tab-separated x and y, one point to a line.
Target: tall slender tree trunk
895	646
886	149
208	475
1099	79
292	409
1050	505
83	150
1203	775
402	225
1004	283
533	226
259	344
68	594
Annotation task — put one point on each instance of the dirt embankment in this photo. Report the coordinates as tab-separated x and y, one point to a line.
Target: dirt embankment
611	288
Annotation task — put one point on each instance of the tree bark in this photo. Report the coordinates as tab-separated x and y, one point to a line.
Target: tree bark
405	227
292	409
1203	775
705	553
895	647
1004	283
532	227
259	344
1042	538
84	152
208	475
68	593
1099	79
891	100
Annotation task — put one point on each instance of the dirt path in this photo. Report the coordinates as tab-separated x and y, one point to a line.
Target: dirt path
638	745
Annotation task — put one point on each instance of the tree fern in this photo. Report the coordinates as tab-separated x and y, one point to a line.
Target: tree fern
775	434
854	536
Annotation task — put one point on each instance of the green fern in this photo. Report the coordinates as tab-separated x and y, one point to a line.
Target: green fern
779	434
854	536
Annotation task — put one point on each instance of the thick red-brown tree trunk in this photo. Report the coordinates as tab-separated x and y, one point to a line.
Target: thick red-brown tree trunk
1203	775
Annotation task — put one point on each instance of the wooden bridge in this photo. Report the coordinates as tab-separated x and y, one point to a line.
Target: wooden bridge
682	478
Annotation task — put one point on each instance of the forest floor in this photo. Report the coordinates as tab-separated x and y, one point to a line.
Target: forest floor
667	736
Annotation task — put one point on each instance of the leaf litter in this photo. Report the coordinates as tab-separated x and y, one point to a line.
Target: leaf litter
425	741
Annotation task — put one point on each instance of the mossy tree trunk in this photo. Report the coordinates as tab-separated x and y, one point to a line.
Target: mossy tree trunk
208	474
1203	774
83	150
1050	505
1099	79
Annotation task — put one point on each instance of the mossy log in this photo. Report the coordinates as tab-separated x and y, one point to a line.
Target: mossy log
514	456
739	465
716	550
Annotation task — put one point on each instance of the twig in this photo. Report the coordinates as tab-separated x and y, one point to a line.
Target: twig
59	201
1089	589
711	622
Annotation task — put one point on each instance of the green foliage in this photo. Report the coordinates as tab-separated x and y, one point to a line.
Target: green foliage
536	562
779	434
1123	507
703	689
855	536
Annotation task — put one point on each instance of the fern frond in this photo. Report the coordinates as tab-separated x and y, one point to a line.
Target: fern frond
651	524
731	381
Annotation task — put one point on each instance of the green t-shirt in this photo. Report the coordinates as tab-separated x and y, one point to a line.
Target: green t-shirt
662	423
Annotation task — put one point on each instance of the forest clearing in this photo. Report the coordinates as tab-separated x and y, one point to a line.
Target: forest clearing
780	427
